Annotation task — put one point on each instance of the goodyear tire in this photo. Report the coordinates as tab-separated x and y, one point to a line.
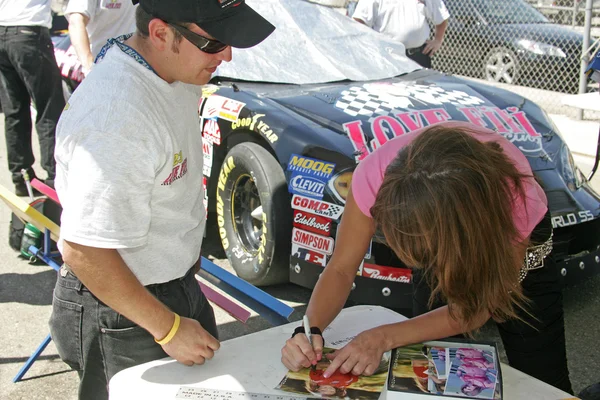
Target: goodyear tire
254	215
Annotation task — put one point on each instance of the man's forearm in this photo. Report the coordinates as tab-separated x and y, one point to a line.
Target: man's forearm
440	31
80	39
106	275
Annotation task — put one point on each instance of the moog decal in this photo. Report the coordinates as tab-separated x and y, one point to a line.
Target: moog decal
318	207
313	241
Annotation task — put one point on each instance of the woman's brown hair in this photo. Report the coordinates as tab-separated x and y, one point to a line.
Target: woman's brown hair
446	205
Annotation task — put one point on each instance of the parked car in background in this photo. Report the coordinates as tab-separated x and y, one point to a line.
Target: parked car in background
562	11
509	41
286	122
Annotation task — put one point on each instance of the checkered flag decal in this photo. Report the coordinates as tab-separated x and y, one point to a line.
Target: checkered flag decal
334	209
373	100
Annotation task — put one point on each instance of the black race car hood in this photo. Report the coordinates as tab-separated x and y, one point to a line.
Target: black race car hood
370	113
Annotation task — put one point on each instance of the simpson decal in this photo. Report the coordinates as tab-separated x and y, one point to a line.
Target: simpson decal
211	132
216	106
313	241
313	223
318	207
402	275
310	256
310	166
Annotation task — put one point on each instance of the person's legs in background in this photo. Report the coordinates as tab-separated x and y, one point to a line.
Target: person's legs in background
28	71
424	60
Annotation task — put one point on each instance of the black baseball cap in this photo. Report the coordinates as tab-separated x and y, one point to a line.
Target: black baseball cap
232	22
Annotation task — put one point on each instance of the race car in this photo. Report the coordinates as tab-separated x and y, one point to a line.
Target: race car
285	124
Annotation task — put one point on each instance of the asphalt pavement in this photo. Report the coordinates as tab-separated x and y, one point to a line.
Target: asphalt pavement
26	296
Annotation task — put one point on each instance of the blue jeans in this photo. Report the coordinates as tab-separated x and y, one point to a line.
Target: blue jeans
98	342
28	71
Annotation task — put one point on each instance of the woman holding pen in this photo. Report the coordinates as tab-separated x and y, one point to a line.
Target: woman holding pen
460	205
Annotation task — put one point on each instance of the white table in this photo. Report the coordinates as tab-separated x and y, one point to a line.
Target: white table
585	101
252	363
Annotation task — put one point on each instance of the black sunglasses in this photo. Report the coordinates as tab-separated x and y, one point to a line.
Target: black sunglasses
206	45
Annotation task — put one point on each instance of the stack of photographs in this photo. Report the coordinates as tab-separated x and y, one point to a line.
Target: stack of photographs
312	384
449	369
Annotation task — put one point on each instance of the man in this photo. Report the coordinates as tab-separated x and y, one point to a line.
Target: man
93	22
28	71
406	22
129	178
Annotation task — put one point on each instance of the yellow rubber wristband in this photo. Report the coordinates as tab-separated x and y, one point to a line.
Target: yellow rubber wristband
171	333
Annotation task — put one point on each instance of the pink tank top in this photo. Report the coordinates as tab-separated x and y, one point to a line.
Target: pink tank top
368	176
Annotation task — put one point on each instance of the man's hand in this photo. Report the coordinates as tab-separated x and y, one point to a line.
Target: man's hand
297	352
361	356
432	46
192	344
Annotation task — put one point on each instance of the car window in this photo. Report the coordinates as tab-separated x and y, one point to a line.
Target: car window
508	12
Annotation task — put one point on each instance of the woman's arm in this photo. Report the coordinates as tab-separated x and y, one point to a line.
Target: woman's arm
334	285
363	354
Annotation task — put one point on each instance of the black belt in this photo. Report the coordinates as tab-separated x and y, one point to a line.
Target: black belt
415	50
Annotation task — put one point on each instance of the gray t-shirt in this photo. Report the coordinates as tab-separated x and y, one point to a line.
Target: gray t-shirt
129	168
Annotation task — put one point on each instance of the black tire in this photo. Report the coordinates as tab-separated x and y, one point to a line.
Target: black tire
250	177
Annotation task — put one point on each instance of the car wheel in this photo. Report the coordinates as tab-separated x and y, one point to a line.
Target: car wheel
501	66
254	215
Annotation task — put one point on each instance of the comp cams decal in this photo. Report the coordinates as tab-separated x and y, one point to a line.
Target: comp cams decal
313	241
312	223
216	106
255	124
310	256
318	207
402	275
309	175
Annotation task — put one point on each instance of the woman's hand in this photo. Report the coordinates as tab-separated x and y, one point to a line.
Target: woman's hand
298	353
361	356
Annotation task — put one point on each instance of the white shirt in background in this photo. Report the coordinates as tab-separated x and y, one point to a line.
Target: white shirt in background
403	20
107	19
25	12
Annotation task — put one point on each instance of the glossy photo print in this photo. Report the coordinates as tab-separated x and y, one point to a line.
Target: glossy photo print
410	366
338	386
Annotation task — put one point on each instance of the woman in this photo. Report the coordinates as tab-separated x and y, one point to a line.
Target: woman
459	203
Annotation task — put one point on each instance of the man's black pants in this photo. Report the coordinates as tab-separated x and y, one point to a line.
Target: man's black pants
416	54
28	71
538	349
